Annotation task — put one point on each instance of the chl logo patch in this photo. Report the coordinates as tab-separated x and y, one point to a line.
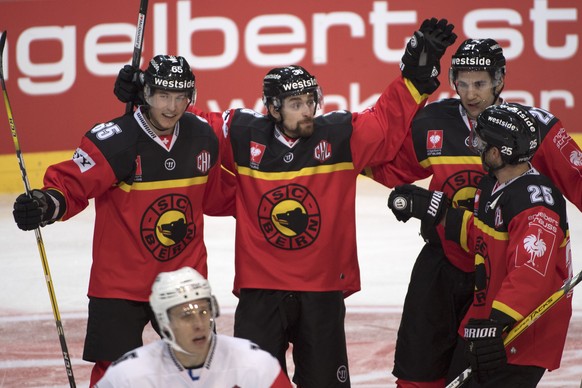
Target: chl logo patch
203	161
289	217
167	226
323	151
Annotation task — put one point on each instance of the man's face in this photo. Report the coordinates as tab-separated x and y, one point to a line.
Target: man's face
191	324
166	108
297	113
476	90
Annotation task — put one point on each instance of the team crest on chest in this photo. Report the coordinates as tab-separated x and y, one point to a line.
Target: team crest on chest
167	226
289	217
257	152
434	142
461	187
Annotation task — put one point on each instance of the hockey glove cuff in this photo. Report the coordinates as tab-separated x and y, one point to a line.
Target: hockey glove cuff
38	209
484	350
408	201
128	85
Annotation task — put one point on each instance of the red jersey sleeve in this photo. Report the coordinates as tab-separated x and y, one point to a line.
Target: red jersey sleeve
85	176
559	157
404	168
379	131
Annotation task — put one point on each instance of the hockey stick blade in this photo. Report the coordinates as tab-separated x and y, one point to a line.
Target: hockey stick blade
39	241
526	322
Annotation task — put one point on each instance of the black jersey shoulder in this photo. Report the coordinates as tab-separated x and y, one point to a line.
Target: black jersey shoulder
532	190
335	120
248	129
545	119
438	110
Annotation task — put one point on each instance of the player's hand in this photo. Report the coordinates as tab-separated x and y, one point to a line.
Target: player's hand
484	349
421	59
30	212
128	85
408	201
438	35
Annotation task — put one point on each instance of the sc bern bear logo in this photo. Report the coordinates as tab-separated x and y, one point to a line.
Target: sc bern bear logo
289	217
167	226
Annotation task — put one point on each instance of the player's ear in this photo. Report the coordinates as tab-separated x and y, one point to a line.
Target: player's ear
274	112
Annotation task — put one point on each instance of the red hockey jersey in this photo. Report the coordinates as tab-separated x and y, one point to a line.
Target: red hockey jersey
520	243
149	200
438	147
295	205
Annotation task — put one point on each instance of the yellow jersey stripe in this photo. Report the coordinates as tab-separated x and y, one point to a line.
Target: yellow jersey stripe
502	236
163	184
507	310
287	175
450	160
463	242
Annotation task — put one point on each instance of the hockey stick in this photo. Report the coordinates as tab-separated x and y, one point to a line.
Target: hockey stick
526	322
39	242
138	43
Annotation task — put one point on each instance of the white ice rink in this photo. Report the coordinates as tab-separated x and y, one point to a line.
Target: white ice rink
387	250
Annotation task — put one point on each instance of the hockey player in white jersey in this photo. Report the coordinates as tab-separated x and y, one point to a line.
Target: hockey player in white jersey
190	353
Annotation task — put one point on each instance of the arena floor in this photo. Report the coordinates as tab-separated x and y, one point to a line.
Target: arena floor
30	355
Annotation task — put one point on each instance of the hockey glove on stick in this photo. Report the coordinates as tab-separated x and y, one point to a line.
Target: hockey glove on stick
485	349
412	201
421	59
128	86
38	209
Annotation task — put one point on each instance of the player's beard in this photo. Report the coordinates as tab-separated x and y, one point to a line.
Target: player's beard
489	165
305	128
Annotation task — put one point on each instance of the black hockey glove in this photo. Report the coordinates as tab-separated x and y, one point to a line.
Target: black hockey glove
485	349
421	59
35	210
128	86
412	201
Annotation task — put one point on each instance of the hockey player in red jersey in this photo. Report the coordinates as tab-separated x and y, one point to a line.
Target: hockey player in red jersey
517	233
295	250
190	353
152	174
438	146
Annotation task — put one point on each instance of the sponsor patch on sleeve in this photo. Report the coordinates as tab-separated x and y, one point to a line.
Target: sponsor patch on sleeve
536	248
83	160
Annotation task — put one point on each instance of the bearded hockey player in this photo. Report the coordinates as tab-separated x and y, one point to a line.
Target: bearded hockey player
517	233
